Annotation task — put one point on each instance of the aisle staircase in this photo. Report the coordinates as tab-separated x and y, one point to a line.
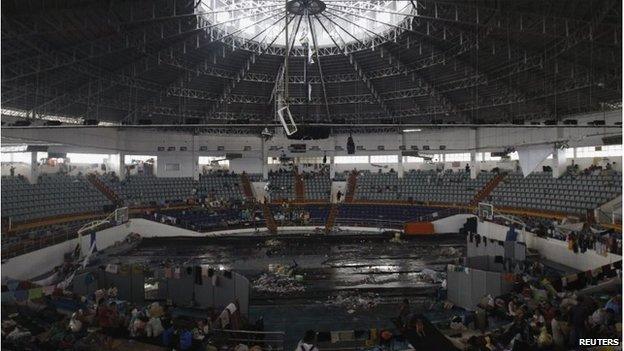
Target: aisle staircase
331	218
247	188
104	189
269	221
351	184
299	187
487	190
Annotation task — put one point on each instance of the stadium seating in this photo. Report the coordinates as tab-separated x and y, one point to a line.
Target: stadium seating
568	194
52	195
447	187
377	186
281	186
144	190
317	186
221	187
421	186
388	215
139	190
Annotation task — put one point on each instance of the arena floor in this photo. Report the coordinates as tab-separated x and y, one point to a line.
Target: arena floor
350	281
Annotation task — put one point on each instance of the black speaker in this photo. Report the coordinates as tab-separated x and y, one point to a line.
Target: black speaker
310	133
90	122
350	146
21	123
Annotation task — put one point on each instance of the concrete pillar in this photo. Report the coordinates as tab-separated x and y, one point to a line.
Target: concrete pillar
558	162
263	161
34	167
400	170
332	167
559	157
194	159
475	165
121	166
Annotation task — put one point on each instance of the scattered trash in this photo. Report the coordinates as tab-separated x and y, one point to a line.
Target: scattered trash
431	276
278	283
449	252
353	302
397	239
273	243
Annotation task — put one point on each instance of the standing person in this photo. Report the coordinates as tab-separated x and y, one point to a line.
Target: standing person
12	171
467	168
338	196
307	343
404	313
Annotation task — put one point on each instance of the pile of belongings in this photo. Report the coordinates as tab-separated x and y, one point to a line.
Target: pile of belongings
351	302
449	252
278	283
273	243
431	276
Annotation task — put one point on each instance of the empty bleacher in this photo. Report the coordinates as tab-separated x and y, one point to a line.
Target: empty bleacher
569	195
421	186
281	186
447	187
221	187
377	186
392	216
146	190
139	190
53	195
317	186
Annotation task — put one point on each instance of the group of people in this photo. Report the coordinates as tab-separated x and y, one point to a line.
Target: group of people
535	317
152	323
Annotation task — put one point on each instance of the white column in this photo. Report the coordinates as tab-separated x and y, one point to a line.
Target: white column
194	159
559	157
121	166
475	165
332	167
34	167
263	160
400	170
558	162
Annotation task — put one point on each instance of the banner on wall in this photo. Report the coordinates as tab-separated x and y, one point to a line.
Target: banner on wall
531	156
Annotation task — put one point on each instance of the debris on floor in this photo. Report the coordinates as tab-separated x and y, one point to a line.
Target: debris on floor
397	239
353	301
278	283
449	252
273	243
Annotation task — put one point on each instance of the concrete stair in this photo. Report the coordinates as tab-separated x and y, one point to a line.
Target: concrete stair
487	189
299	187
104	189
351	184
269	221
331	218
247	188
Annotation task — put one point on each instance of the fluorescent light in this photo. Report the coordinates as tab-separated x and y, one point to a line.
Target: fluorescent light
411	130
14	148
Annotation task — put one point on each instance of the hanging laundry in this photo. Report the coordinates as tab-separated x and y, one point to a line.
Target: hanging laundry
198	276
34	294
21	295
112	268
13	284
8	297
48	290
